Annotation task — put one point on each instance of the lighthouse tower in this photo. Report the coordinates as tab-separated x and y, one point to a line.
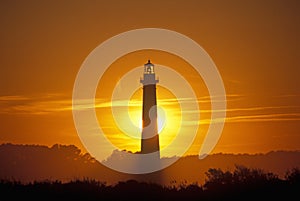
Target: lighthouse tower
150	139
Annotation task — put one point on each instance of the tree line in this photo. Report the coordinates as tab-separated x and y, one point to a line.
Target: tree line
242	183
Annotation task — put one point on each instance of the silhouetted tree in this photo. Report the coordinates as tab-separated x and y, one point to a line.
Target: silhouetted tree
242	181
293	176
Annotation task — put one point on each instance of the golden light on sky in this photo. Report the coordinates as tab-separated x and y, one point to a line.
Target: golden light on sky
254	44
131	67
169	115
169	121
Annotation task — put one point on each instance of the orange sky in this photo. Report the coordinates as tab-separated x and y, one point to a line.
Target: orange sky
254	44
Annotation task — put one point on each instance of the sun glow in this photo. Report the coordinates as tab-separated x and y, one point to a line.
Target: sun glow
168	114
161	119
119	103
126	134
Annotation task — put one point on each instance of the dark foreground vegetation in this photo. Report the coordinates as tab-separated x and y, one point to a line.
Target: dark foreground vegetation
240	184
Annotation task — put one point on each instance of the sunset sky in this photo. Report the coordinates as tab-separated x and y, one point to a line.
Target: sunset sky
254	44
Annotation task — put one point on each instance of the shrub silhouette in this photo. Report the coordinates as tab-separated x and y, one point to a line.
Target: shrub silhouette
241	175
252	183
241	184
293	176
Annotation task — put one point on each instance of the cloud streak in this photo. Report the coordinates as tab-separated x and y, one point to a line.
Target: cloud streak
34	105
53	103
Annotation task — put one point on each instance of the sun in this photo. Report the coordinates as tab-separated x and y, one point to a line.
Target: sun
126	134
135	117
168	114
119	103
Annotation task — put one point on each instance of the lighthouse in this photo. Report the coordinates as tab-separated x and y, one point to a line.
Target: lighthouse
150	138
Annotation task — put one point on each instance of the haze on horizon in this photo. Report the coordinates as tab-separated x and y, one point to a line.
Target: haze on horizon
254	44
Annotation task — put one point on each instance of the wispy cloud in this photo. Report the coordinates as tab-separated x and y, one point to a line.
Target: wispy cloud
265	117
255	108
287	96
38	104
251	118
247	118
53	103
13	98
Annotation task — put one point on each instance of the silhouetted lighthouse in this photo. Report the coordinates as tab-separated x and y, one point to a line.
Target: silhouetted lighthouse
150	139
